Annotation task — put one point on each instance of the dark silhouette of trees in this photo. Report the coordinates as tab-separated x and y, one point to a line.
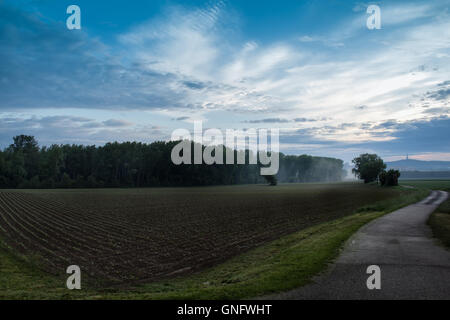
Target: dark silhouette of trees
271	179
368	167
133	164
389	178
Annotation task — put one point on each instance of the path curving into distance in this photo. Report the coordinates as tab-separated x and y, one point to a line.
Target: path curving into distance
412	264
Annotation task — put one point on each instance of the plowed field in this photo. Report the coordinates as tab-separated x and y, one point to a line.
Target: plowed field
133	235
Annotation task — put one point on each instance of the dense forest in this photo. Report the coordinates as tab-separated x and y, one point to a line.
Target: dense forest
133	164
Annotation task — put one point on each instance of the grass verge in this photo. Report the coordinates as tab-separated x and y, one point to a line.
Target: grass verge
428	184
280	265
440	223
439	220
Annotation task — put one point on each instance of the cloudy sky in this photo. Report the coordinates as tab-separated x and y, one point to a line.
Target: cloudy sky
138	70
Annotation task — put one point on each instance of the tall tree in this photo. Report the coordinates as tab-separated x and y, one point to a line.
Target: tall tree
28	146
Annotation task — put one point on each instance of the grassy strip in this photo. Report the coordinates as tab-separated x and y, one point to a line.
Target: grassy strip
428	184
283	264
440	223
21	279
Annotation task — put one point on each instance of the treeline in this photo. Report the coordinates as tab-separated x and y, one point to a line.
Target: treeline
133	164
306	168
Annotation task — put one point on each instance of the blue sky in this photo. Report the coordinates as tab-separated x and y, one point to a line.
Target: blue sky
138	70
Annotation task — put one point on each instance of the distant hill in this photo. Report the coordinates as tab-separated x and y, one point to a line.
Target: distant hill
418	165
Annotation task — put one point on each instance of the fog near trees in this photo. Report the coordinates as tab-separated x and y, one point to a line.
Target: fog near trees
134	164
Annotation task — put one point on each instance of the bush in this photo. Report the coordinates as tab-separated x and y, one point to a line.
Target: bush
382	178
389	178
272	180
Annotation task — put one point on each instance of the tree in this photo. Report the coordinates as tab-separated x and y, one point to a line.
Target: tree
368	167
28	146
25	143
3	171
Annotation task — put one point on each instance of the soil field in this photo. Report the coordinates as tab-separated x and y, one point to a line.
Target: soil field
125	236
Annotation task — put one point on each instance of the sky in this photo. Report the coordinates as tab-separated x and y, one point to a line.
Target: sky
136	71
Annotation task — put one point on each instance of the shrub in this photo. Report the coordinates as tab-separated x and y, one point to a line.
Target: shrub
272	180
389	178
